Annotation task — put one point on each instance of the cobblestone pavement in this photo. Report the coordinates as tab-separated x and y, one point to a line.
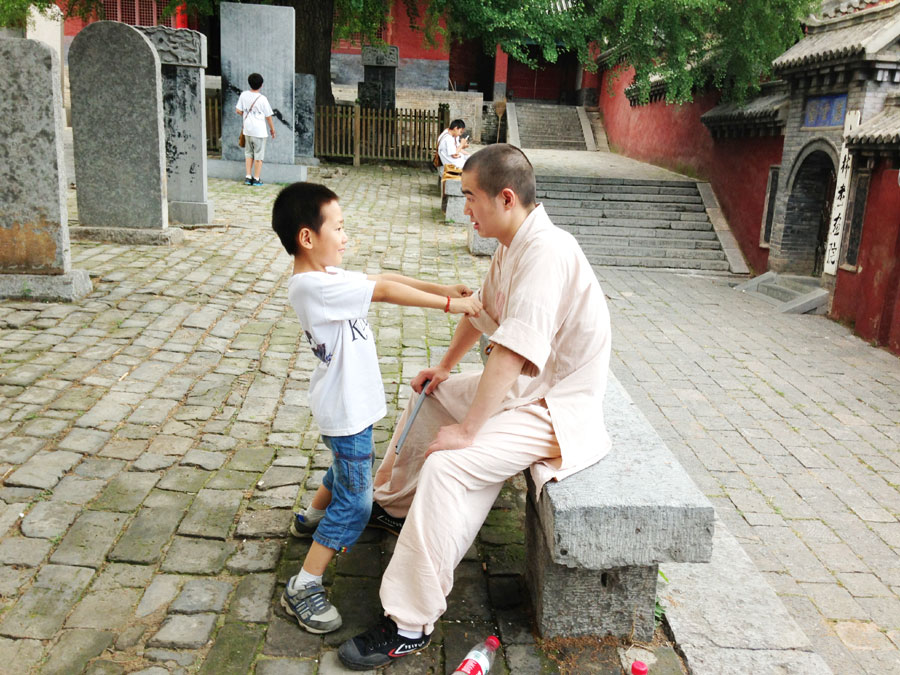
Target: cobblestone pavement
790	425
155	436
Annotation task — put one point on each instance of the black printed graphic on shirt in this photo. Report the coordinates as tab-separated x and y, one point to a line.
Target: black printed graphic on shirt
359	328
318	349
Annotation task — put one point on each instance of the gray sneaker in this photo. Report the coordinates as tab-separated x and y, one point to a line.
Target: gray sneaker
311	608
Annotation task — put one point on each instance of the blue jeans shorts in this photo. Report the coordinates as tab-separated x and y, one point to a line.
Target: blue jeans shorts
350	481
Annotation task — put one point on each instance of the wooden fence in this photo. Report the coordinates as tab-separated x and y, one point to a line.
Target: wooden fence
213	122
370	133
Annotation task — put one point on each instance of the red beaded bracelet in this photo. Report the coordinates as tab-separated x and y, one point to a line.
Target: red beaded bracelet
447	308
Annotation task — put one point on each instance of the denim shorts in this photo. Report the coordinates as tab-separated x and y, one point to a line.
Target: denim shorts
350	481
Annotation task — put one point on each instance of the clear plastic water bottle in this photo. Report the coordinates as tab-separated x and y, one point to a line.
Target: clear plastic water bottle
480	658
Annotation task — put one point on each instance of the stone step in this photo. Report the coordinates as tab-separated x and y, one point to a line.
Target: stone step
643	219
602	230
626	248
780	293
551	127
552	145
627	209
578	191
547	179
685	243
589	199
659	263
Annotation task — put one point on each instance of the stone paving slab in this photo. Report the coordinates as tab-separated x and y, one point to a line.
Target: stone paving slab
789	425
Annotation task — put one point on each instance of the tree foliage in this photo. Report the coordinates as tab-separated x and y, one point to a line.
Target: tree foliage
691	44
14	13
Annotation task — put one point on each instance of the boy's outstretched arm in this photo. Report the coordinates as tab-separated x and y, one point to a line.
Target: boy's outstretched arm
387	290
452	290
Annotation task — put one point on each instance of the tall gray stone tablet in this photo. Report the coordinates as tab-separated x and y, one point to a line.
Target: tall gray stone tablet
258	39
182	55
117	127
35	259
304	116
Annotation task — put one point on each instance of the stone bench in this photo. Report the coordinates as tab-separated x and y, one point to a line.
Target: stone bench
594	541
452	201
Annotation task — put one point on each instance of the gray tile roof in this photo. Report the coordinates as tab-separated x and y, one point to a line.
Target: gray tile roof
770	107
862	34
883	129
834	8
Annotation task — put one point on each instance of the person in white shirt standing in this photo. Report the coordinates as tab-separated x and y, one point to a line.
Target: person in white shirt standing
450	148
256	112
346	394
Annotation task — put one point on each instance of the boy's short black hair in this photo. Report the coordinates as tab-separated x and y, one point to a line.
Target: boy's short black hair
501	166
255	80
297	206
457	124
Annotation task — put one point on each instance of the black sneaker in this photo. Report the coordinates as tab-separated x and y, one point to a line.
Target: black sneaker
302	528
384	520
379	646
248	180
257	181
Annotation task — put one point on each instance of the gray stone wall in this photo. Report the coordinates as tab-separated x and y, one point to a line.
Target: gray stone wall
258	39
117	128
412	73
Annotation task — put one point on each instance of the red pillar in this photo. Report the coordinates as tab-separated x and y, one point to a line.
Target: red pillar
181	19
501	69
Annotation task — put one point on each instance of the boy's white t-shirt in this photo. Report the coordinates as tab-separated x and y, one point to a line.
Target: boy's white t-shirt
346	393
448	145
255	120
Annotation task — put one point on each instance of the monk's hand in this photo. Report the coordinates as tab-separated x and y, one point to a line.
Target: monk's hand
452	437
436	375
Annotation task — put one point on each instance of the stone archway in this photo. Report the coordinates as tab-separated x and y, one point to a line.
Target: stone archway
808	210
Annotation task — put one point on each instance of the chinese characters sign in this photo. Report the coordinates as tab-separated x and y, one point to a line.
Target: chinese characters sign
825	111
841	195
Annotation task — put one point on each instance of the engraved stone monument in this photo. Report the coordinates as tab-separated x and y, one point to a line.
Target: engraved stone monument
258	39
35	259
182	55
305	118
117	128
379	88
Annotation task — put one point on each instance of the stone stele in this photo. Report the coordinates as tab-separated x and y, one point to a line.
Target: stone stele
35	260
117	127
258	39
182	56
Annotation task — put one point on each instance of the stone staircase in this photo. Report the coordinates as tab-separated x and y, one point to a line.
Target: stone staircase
789	294
634	223
554	127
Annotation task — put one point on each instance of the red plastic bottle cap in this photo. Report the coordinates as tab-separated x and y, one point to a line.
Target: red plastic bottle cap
638	668
493	642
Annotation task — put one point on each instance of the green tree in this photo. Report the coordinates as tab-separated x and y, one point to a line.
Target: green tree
14	13
691	44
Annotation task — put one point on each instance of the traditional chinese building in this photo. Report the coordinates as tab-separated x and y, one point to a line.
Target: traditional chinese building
845	67
807	172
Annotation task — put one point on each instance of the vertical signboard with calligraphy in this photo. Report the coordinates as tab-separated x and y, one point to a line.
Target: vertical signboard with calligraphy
841	194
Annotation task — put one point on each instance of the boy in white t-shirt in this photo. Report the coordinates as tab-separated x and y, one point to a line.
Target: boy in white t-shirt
450	147
256	112
346	395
